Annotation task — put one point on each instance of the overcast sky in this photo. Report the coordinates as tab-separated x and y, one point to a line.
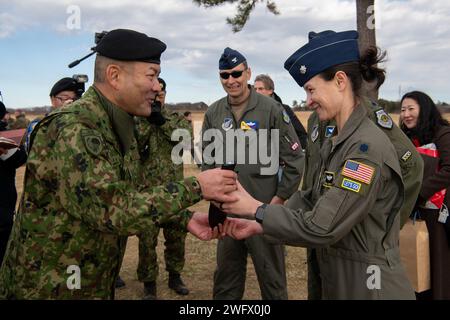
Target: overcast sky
38	39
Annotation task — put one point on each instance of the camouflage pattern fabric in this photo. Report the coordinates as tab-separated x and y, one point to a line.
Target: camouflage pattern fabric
20	123
82	197
156	146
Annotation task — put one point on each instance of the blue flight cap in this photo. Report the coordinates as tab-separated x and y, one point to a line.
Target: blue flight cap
324	50
230	58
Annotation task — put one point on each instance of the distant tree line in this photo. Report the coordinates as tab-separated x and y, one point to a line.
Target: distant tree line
388	105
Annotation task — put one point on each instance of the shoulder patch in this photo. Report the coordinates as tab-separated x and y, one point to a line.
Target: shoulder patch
315	133
351	185
363	148
406	156
358	171
286	117
92	141
383	119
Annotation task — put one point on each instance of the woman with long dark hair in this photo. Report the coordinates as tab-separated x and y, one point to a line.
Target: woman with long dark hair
430	132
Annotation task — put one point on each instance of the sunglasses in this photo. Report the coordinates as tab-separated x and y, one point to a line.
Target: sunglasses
234	74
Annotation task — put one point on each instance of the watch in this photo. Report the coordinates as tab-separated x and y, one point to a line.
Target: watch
259	215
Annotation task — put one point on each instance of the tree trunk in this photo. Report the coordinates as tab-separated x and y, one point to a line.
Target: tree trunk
365	21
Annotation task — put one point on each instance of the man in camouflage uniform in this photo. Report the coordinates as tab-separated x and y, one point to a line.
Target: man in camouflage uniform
156	148
411	166
21	121
82	192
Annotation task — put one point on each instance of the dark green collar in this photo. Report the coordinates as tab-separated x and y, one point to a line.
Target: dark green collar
122	122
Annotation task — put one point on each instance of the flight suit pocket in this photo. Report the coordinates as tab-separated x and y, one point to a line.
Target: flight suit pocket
329	208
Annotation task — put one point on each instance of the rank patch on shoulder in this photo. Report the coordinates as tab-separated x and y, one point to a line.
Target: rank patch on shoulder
249	125
295	146
227	124
351	185
406	156
92	141
329	179
363	147
383	119
315	133
286	117
358	171
329	130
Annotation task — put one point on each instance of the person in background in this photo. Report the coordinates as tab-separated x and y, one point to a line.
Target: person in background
155	148
244	110
424	125
63	92
5	122
264	85
21	122
10	160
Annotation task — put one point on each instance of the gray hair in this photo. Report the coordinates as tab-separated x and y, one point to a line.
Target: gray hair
268	82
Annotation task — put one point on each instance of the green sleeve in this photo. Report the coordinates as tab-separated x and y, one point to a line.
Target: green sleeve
91	190
333	216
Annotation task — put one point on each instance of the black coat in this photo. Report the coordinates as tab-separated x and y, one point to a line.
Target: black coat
299	128
8	193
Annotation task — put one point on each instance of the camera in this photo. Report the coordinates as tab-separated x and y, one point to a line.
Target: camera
99	36
80	80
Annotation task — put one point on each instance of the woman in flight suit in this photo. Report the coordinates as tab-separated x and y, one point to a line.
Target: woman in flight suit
353	221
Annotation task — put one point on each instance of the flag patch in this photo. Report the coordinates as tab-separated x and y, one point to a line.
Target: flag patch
358	171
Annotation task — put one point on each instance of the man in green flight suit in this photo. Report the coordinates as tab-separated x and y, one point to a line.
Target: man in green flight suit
261	118
156	148
82	193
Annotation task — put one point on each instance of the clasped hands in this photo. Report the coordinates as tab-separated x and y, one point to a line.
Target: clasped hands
222	188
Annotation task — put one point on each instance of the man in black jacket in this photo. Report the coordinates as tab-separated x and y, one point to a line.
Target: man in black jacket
10	160
264	85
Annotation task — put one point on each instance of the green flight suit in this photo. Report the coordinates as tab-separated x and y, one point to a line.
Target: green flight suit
155	147
353	219
82	198
260	113
411	165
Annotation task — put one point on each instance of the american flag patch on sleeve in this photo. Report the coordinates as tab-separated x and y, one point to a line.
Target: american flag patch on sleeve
358	171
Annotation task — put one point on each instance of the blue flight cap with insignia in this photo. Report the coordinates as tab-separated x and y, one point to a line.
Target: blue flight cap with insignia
324	50
127	45
230	58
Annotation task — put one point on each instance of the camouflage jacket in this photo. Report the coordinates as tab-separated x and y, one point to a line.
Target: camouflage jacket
81	199
156	145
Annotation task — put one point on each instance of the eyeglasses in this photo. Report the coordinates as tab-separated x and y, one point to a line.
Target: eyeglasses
65	98
234	74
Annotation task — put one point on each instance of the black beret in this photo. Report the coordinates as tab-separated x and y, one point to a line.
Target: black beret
65	84
130	45
230	58
162	83
2	110
324	50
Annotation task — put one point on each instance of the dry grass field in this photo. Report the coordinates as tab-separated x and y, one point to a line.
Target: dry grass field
200	257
